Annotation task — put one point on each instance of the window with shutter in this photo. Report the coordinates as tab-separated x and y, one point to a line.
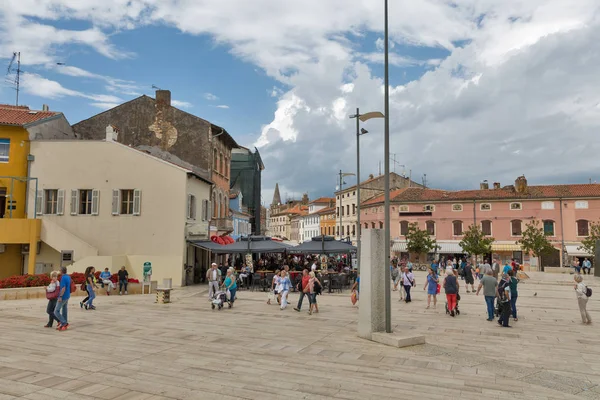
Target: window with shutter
116	201
39	202
60	204
137	202
203	210
95	202
189	206
74	201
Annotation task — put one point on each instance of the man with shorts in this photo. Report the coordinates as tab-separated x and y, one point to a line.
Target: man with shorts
469	280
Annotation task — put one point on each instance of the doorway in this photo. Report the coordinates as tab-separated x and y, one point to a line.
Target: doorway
2	201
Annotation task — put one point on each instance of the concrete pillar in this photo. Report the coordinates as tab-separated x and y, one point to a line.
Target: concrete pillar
373	266
33	240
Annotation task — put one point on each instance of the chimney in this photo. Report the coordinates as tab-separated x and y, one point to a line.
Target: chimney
521	184
496	185
111	133
45	107
163	98
484	185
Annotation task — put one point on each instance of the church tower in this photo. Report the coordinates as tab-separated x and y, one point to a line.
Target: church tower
276	197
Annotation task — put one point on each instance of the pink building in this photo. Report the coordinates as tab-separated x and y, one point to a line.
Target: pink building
565	212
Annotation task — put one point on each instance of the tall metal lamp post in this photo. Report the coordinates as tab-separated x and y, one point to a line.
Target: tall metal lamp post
342	175
386	153
359	132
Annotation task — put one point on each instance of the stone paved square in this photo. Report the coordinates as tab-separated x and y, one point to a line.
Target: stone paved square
131	348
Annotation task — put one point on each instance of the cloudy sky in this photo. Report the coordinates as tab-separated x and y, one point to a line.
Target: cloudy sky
481	89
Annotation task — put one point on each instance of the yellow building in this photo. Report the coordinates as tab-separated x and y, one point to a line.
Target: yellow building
19	228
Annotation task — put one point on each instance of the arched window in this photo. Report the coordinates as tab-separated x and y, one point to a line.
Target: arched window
549	228
403	228
226	167
516	228
215	161
215	213
221	164
372	225
220	202
457	228
583	228
486	227
380	225
430	225
225	209
366	225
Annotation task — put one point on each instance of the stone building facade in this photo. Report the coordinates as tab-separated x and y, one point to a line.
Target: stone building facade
145	121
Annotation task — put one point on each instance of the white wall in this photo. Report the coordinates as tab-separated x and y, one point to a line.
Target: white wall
158	233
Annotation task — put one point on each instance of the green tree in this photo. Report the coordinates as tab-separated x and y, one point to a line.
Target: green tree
418	241
589	243
474	242
534	240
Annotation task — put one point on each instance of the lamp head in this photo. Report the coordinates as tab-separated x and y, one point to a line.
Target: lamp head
363	131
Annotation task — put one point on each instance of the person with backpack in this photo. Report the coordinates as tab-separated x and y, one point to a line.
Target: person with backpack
408	281
514	294
504	300
451	286
583	294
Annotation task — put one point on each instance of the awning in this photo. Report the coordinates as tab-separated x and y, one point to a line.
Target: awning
206	244
572	250
323	245
443	247
505	247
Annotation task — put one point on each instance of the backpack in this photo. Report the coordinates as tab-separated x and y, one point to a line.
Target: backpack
588	291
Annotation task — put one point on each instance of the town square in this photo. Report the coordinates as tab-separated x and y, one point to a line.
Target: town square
299	199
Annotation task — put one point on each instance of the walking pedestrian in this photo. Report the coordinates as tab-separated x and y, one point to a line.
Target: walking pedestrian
91	287
513	294
451	287
52	292
285	288
495	269
581	290
301	286
504	299
431	285
213	276
395	274
408	281
469	280
62	302
489	285
231	285
313	286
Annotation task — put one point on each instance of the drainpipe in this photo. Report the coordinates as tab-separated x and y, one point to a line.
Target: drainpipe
562	235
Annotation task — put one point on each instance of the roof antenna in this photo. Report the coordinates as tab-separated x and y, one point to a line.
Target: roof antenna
17	81
156	87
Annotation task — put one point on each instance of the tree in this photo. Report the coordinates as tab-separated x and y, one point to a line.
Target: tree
474	242
534	240
589	243
418	241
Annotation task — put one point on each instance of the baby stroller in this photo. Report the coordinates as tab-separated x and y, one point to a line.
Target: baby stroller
219	300
456	310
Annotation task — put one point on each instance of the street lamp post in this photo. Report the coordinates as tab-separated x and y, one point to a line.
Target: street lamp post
359	132
386	153
342	175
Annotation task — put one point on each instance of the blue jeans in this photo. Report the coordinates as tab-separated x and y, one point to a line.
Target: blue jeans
513	305
121	284
60	312
232	294
91	294
302	294
407	289
489	301
312	298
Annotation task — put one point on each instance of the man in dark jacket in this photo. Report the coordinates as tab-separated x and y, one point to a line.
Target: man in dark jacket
504	299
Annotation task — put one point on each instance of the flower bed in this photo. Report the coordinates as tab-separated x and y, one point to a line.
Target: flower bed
21	281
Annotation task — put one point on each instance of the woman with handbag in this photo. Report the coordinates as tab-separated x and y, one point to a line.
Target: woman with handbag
313	288
432	287
52	292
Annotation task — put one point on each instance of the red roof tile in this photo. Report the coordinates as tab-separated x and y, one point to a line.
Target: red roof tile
322	200
508	192
22	115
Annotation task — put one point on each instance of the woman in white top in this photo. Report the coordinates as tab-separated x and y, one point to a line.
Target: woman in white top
582	299
275	287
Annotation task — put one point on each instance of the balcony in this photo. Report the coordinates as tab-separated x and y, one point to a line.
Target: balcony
19	230
223	224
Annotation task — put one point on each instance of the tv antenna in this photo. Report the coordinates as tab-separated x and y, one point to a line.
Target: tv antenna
17	80
156	87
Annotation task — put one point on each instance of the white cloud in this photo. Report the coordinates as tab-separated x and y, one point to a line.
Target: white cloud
121	86
39	86
104	106
181	104
518	96
222	106
210	97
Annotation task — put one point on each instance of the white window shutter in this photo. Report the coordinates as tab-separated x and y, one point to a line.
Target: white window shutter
39	206
60	202
193	207
74	201
116	201
95	202
137	202
189	207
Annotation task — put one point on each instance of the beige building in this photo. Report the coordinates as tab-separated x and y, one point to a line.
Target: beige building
346	201
105	204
